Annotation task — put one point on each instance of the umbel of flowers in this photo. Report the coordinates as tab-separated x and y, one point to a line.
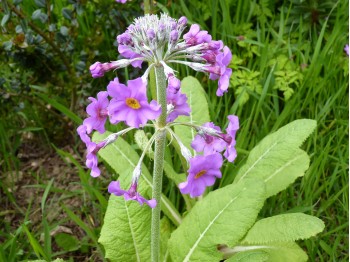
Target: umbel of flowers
161	42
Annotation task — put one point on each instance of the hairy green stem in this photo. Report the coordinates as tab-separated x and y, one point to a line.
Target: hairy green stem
160	140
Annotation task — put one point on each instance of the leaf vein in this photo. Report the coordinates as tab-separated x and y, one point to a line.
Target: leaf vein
132	232
189	254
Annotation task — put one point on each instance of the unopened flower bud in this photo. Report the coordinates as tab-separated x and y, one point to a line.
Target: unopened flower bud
182	21
173	25
151	34
161	27
174	35
136	173
96	70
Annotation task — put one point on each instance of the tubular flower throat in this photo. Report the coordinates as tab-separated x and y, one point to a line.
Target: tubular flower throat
200	173
132	103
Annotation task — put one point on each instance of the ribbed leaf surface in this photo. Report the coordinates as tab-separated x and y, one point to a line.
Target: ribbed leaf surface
277	159
284	228
126	233
274	252
222	217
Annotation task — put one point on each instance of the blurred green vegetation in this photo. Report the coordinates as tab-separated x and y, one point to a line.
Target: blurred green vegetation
288	64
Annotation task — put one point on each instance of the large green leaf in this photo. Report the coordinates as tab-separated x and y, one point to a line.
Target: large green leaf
198	103
222	217
126	232
277	159
123	159
274	252
284	228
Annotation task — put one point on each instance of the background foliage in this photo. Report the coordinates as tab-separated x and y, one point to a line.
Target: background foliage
288	64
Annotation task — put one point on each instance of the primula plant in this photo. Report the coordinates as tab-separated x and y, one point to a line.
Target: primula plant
217	225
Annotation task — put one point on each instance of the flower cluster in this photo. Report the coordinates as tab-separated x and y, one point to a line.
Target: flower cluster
128	104
204	169
157	41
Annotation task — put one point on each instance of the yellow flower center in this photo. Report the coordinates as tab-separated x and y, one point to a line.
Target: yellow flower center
133	103
200	173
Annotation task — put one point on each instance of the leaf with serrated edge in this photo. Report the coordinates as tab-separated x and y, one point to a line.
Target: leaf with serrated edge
199	114
277	159
126	232
222	217
284	228
123	159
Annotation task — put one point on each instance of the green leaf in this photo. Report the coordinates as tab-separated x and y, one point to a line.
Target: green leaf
284	228
222	217
123	159
40	3
275	252
126	232
198	103
5	19
67	13
248	256
142	140
35	244
277	159
67	242
170	173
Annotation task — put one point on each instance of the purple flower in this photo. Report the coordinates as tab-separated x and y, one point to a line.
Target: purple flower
203	172
91	157
128	53
124	39
97	70
222	60
97	111
208	144
129	103
195	36
83	134
346	49
121	1
182	20
178	105
131	194
173	84
230	138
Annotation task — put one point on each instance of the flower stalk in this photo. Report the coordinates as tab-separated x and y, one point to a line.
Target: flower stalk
160	140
